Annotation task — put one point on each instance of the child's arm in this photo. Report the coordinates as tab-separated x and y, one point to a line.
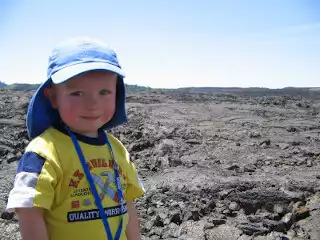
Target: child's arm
31	223
133	227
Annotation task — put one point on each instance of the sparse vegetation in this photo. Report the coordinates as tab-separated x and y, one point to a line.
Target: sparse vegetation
2	84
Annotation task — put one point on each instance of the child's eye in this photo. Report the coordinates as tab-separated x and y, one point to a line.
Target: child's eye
104	92
77	93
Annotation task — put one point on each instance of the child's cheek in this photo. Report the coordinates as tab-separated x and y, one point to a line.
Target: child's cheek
106	118
75	101
69	110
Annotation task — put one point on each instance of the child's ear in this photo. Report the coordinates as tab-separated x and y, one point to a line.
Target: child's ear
49	92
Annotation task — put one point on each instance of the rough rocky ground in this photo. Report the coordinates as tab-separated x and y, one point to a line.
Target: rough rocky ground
215	167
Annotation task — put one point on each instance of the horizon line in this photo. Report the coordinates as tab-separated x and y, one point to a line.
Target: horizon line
186	87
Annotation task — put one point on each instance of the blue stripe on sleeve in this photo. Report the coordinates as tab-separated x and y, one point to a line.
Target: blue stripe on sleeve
31	162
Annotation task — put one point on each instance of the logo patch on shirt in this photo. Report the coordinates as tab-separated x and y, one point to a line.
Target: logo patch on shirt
104	181
75	204
87	202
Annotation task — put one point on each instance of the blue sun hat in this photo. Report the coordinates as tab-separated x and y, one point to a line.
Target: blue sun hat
68	59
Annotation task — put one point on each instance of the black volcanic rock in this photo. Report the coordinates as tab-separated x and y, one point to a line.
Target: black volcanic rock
215	166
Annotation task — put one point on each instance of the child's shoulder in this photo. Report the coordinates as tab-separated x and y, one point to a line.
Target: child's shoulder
48	136
114	140
116	144
118	147
45	144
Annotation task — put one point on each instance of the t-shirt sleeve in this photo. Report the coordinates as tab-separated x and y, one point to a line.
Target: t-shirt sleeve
34	183
135	188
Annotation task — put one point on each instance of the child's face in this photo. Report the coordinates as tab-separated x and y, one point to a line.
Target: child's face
85	102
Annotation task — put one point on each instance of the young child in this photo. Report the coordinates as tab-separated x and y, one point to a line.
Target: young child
75	181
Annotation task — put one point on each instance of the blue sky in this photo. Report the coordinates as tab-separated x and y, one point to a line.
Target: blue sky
177	43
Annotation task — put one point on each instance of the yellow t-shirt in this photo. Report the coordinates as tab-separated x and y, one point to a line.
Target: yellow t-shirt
50	176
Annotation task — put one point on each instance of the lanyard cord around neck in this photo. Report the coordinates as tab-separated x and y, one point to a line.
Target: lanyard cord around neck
94	190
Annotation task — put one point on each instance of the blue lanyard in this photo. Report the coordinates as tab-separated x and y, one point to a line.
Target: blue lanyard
94	190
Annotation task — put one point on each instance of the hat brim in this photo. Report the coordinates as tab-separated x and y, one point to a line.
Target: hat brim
40	114
71	71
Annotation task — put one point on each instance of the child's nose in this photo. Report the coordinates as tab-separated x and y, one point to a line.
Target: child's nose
91	101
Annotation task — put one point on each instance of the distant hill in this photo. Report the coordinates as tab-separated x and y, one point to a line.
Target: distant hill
245	92
313	93
137	88
22	86
28	87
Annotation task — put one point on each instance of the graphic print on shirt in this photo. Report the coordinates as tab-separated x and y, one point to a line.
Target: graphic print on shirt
102	173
